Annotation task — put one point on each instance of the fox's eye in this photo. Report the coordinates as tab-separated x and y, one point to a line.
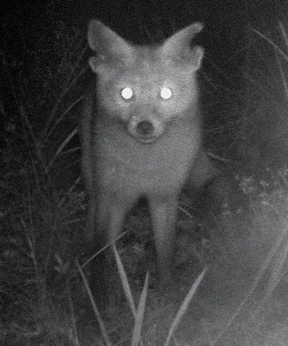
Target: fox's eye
127	93
165	93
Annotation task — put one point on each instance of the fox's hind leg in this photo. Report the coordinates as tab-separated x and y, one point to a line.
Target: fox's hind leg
164	214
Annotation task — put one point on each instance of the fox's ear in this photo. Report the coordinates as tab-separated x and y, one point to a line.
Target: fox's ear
107	43
178	46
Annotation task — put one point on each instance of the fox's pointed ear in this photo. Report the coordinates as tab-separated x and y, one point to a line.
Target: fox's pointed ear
178	46
107	43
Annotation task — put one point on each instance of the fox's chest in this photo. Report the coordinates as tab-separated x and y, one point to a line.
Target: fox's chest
125	165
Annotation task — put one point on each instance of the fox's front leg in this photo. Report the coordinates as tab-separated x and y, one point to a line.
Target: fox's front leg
164	214
108	220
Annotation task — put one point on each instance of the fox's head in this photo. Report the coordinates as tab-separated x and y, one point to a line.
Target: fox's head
145	87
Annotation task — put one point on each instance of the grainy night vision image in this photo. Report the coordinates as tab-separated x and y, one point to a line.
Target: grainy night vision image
144	173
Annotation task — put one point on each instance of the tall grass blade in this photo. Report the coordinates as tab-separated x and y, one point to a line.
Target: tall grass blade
95	309
184	306
140	314
124	281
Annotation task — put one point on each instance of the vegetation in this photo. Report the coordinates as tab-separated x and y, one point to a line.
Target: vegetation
231	268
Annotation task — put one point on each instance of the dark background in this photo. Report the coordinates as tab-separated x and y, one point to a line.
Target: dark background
226	21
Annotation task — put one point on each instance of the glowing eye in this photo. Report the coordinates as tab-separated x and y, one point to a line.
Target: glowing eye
127	93
166	93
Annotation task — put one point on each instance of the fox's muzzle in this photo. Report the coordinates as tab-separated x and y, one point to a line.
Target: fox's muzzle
145	130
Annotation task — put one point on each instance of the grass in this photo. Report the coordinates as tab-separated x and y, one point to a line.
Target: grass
239	299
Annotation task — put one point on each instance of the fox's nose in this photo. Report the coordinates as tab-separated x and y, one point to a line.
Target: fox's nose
145	128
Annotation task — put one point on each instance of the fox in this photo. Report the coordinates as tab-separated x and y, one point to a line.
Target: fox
141	135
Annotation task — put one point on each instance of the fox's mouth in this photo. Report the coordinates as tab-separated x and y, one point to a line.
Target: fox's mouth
145	139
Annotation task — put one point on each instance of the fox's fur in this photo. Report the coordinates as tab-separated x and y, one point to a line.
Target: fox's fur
141	136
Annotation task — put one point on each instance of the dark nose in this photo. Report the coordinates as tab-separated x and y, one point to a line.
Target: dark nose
145	128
